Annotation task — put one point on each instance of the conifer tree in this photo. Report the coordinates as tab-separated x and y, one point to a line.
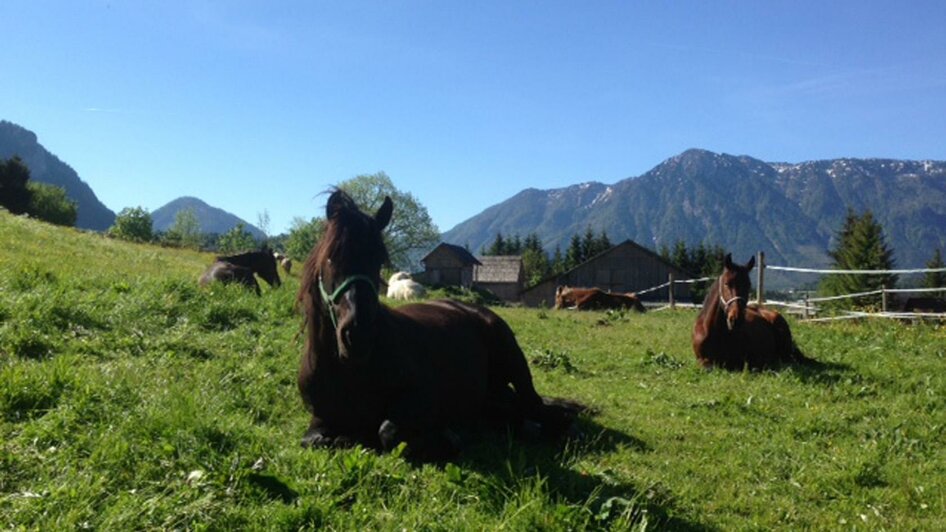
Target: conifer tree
497	247
574	256
860	246
558	261
588	245
604	243
14	194
935	279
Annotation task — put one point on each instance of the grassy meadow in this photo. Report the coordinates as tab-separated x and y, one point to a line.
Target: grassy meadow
132	399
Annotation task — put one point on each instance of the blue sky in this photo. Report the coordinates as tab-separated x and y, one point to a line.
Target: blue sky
264	105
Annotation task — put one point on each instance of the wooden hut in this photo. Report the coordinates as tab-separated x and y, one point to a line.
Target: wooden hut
626	267
502	275
448	265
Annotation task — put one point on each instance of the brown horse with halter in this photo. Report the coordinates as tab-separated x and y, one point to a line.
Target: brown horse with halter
732	335
381	376
240	269
595	299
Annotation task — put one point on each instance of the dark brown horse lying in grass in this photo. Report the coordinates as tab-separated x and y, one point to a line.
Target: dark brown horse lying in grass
595	299
732	335
379	376
240	269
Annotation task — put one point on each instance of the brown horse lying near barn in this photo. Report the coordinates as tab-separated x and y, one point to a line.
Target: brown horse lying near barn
595	299
732	335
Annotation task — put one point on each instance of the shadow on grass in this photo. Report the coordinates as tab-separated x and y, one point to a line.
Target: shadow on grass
822	373
509	461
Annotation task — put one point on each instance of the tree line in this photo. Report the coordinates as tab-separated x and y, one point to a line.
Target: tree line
537	263
135	224
19	195
410	233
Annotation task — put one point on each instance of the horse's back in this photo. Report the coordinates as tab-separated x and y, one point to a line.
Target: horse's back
214	272
447	314
452	332
229	273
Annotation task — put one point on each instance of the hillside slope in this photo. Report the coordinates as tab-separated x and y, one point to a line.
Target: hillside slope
31	245
47	168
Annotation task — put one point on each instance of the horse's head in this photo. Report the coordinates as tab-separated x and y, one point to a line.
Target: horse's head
561	292
344	272
734	286
264	265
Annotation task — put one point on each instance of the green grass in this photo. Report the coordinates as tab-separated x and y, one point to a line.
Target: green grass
132	399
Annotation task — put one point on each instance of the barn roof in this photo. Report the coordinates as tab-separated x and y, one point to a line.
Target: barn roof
460	253
499	269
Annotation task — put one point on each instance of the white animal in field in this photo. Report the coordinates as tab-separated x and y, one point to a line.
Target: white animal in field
401	286
283	260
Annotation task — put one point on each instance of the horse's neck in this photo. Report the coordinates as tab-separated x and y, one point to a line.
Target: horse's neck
247	260
711	311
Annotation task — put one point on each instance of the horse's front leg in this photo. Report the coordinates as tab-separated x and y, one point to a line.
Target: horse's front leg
319	435
412	421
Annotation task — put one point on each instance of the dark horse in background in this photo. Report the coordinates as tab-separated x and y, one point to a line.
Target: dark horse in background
240	269
731	334
595	299
381	376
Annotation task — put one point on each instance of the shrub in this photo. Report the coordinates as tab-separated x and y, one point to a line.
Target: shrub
133	224
50	203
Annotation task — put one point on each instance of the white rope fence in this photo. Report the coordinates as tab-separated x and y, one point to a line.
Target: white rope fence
808	307
854	272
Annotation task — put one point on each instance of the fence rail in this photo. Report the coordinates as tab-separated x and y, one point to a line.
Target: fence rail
808	306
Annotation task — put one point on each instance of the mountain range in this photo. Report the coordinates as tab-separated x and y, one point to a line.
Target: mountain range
211	219
47	168
790	211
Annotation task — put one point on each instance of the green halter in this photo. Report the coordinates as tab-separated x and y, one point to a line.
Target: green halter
332	299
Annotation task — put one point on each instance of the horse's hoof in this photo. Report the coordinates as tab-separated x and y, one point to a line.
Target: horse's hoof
315	439
388	435
320	439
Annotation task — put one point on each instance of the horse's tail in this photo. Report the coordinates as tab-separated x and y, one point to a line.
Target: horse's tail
798	357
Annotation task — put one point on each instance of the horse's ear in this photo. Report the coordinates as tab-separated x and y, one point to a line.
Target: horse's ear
383	216
751	263
335	204
727	261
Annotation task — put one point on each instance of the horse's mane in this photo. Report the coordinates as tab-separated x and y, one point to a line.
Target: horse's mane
710	301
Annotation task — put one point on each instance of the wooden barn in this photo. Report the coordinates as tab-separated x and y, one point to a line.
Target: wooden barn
626	267
448	265
502	275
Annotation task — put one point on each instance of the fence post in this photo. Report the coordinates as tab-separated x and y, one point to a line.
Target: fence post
805	314
761	277
670	290
883	298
